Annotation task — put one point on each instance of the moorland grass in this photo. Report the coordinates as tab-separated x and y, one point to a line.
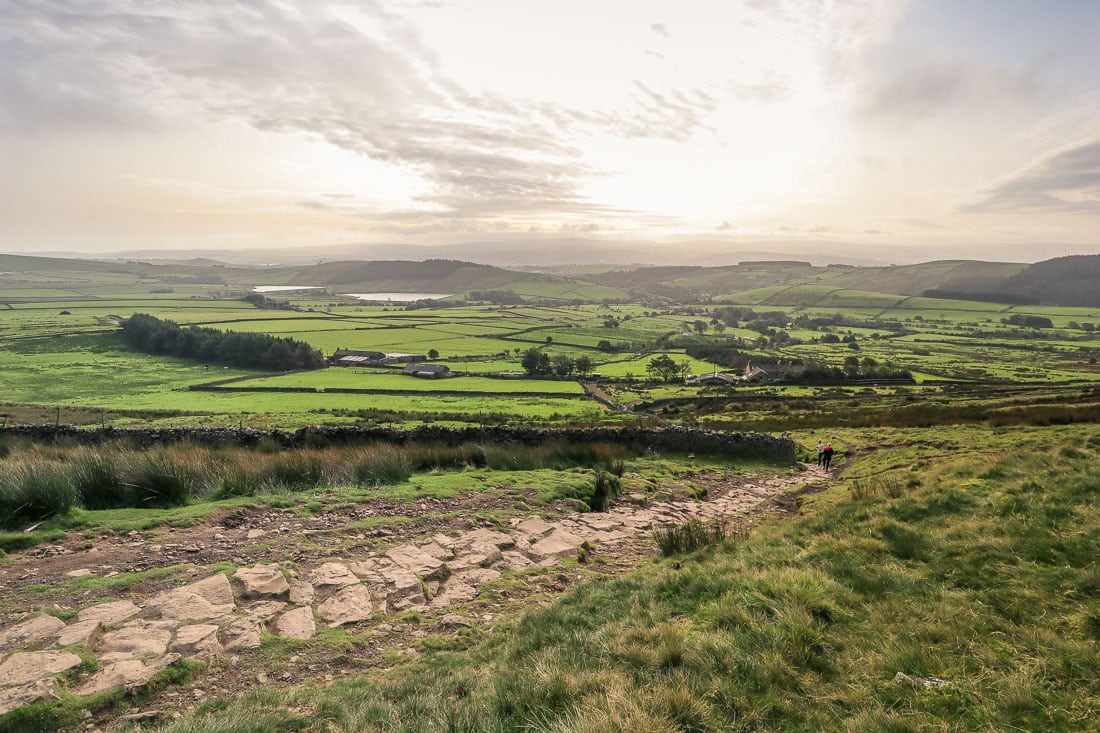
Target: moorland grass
982	572
38	482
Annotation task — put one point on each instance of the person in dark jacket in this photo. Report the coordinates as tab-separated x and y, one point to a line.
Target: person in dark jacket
827	455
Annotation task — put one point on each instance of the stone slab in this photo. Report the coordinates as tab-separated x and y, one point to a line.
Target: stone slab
30	631
25	667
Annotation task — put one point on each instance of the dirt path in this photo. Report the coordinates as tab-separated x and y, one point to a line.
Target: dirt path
139	602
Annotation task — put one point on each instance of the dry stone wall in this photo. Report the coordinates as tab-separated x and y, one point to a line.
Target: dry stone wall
673	439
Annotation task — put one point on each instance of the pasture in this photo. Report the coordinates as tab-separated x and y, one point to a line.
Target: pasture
63	355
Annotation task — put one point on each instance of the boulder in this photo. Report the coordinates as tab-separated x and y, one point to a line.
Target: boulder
333	574
240	633
25	667
350	605
196	640
453	592
81	632
301	593
129	674
201	601
419	563
138	639
263	580
296	624
13	698
29	631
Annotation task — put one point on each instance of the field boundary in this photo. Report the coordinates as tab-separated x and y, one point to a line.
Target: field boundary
668	439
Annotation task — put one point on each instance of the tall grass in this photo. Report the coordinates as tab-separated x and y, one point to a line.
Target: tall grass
688	537
38	481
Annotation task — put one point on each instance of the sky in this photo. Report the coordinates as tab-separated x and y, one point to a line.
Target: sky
969	127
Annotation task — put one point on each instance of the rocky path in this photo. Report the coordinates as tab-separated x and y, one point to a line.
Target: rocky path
222	616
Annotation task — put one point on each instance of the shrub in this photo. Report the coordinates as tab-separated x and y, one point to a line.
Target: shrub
294	472
381	465
605	487
37	491
98	484
159	480
689	537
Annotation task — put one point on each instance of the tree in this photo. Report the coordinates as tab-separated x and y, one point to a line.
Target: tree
851	366
433	354
563	365
663	367
583	364
700	326
535	362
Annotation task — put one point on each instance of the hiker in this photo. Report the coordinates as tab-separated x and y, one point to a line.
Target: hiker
827	455
820	451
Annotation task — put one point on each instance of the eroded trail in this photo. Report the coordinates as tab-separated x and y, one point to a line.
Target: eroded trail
293	576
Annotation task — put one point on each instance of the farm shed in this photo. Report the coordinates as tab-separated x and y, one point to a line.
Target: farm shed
428	371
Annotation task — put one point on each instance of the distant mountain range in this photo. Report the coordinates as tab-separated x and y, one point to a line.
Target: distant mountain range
537	253
1061	281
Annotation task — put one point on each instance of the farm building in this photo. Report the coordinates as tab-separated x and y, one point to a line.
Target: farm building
428	371
717	378
353	358
768	371
350	357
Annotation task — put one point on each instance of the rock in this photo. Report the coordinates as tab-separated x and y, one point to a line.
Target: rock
436	550
416	562
535	528
264	611
921	681
25	667
79	633
296	624
138	639
487	536
241	633
333	574
126	673
13	698
455	591
81	573
480	555
301	593
31	630
349	605
254	534
515	560
401	583
196	640
560	543
454	620
476	576
263	580
201	601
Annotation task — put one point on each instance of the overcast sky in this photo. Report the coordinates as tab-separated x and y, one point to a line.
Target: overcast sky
967	124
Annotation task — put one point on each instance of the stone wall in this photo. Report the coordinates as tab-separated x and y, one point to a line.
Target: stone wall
669	439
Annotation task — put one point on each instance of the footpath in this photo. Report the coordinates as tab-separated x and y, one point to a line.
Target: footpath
221	618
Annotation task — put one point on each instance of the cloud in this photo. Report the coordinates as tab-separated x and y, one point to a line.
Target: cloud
770	89
660	29
911	84
1065	181
357	77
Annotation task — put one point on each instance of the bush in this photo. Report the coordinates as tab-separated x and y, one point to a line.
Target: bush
37	491
689	537
604	489
381	465
158	480
98	483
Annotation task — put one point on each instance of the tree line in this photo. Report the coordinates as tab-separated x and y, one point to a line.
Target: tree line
152	335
